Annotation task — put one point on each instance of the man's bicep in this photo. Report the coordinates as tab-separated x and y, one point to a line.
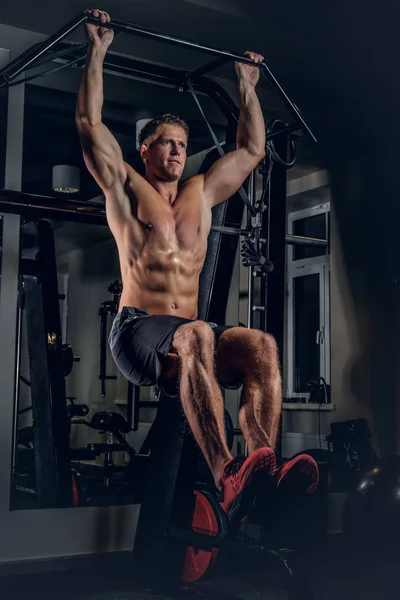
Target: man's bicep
227	174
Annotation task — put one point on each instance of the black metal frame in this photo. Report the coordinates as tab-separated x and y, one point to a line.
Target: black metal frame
47	383
94	213
29	57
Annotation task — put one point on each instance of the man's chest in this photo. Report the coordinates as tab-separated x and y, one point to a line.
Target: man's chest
182	225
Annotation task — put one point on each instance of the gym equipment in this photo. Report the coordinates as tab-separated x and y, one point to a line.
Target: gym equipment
107	483
210	520
24	491
68	359
107	308
30	56
371	516
39	299
183	534
320	391
352	452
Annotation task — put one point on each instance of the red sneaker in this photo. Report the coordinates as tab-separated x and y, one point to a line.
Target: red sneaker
238	474
300	472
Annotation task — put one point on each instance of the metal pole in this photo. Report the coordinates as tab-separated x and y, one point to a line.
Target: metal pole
229	230
299	240
250	283
50	207
289	104
91	212
103	357
16	392
135	30
292	240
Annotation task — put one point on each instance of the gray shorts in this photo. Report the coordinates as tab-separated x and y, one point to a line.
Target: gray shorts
139	342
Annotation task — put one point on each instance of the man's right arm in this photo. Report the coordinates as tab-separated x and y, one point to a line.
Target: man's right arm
101	151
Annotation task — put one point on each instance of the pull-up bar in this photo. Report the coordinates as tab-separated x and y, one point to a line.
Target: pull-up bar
30	56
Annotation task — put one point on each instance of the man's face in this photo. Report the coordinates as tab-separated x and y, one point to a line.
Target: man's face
165	152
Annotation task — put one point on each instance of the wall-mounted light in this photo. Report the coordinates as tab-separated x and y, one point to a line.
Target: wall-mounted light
66	179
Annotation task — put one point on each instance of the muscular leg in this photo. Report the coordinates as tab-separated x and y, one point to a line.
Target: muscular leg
253	355
200	393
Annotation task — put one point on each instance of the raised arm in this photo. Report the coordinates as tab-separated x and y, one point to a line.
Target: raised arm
101	151
228	173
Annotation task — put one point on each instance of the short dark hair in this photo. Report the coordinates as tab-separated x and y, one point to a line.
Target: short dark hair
151	127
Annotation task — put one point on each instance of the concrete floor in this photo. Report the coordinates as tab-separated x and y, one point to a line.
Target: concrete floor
343	576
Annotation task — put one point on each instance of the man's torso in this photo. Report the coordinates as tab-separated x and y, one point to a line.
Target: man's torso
162	247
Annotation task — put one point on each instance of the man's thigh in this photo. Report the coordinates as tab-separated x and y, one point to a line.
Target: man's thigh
140	342
227	366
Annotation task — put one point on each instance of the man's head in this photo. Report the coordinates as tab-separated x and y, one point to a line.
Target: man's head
163	143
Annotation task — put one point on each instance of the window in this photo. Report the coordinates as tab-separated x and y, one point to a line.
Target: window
308	304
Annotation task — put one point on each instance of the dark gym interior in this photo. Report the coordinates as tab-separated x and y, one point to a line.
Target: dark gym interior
97	473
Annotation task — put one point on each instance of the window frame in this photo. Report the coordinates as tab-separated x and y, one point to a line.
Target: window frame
318	265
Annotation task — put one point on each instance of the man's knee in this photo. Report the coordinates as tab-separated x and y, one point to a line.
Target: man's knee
251	352
248	343
193	338
269	347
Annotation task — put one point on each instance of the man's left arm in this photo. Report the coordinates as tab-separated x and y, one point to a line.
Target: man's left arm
228	173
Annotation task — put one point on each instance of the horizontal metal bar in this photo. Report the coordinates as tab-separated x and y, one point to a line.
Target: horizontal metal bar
95	213
299	240
135	30
33	205
52	56
293	240
229	230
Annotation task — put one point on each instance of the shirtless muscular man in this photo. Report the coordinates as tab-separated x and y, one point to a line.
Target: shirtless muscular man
161	229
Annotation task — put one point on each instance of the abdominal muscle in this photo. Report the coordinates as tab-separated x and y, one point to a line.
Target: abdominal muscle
167	288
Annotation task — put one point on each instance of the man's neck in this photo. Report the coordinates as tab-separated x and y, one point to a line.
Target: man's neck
167	189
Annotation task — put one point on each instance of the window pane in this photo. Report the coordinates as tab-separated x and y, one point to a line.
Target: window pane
314	227
306	325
